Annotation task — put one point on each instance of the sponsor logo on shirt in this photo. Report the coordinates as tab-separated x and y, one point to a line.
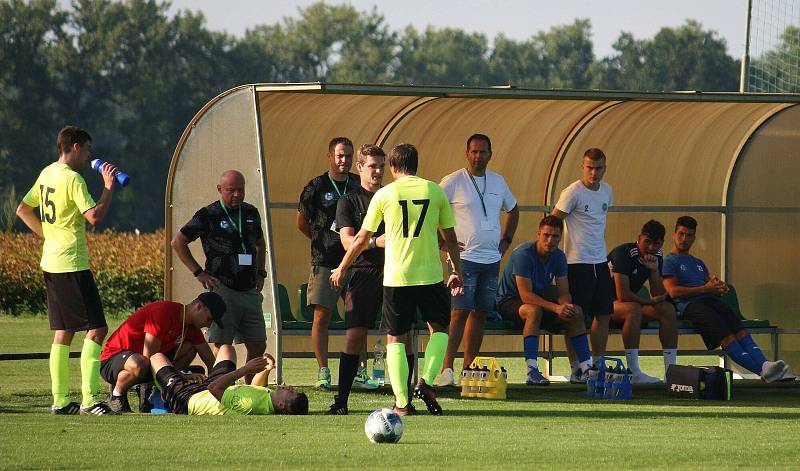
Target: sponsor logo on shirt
683	267
328	196
605	206
224	224
700	268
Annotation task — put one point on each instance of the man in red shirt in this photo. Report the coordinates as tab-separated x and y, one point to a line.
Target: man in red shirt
160	327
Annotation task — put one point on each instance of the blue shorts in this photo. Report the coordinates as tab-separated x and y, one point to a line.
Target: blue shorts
480	286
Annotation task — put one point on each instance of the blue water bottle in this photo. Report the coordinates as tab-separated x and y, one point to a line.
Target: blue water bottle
619	376
600	384
626	388
122	178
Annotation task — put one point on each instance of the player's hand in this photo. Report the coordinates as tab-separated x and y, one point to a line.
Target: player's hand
566	311
503	246
657	299
455	284
270	362
336	277
108	171
208	281
649	261
256	365
194	377
259	283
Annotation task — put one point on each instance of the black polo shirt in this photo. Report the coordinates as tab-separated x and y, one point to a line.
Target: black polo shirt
318	205
625	260
222	244
350	212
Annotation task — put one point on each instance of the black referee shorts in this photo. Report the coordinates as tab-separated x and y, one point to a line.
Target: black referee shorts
73	303
400	305
176	390
714	319
363	297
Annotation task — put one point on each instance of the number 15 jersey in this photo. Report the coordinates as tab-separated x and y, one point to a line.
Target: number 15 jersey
61	195
413	209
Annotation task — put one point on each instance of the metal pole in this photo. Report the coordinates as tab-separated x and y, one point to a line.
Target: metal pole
746	55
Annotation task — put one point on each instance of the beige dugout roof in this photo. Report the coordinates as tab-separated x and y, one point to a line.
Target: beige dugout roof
727	159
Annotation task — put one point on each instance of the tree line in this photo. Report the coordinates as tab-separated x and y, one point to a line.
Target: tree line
133	75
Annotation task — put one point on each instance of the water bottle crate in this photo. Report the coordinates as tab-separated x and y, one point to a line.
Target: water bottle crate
485	378
609	379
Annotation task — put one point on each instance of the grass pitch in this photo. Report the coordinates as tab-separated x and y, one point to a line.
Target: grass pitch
554	427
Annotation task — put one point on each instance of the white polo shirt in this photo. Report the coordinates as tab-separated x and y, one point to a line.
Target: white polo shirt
586	221
478	231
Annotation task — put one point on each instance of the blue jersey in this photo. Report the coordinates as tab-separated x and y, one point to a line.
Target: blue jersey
689	271
525	262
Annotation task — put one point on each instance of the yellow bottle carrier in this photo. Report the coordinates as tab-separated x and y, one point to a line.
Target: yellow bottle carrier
484	378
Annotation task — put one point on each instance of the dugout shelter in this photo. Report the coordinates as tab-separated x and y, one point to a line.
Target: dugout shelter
727	159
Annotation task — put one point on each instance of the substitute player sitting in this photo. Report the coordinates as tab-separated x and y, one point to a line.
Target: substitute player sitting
218	395
521	297
163	326
632	265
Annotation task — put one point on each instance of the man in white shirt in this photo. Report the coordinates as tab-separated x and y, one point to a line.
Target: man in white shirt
478	197
583	205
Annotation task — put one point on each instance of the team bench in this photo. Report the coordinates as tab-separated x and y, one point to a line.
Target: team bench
298	323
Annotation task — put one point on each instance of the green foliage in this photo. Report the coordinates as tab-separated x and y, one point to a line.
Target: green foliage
8	208
133	75
128	270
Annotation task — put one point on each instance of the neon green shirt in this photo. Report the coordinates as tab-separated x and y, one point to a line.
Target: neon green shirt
242	399
61	195
413	210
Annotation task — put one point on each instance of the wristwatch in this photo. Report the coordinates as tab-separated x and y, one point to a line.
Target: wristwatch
262	273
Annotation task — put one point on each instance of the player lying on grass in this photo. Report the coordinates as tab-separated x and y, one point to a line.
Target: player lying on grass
218	395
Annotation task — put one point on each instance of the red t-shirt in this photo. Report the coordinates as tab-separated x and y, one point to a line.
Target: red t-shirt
162	319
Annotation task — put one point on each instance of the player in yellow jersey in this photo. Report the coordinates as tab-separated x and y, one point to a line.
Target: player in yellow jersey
73	303
413	210
218	395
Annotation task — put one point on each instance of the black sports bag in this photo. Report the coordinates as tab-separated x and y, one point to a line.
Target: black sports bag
706	382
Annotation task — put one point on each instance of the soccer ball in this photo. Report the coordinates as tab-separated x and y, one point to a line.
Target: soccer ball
383	426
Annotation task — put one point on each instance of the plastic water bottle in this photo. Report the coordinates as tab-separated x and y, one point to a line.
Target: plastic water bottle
626	388
122	178
609	383
616	385
591	382
379	363
600	383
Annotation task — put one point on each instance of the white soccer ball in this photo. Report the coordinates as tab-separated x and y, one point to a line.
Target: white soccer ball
384	426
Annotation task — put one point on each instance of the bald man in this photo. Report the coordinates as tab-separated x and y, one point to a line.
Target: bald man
233	242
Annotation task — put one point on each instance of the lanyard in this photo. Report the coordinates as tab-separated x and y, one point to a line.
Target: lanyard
183	331
239	227
480	195
335	187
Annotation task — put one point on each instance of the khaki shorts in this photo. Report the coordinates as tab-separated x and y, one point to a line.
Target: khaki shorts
243	319
319	288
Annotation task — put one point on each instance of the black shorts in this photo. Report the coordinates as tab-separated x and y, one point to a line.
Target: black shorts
111	367
176	390
363	297
509	310
592	288
400	305
73	303
714	319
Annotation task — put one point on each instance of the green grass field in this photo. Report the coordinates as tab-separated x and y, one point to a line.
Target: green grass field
555	427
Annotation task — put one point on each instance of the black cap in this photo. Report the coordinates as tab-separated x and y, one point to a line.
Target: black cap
215	304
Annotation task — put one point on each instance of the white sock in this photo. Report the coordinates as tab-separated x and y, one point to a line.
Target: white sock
532	363
632	355
117	392
670	357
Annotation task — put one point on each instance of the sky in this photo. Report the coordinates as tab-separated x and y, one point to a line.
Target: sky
517	19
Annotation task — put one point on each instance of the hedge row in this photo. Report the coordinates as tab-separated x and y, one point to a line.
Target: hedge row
128	270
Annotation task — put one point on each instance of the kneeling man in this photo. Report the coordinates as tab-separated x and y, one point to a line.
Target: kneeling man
159	327
218	395
521	297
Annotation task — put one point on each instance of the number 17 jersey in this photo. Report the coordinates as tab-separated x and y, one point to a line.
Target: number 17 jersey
61	195
412	209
